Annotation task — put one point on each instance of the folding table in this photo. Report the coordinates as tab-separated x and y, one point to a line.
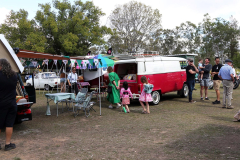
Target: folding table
57	97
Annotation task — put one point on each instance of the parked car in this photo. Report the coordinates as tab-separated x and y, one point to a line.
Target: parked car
165	73
25	95
45	80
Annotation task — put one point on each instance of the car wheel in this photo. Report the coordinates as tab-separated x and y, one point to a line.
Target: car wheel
184	91
46	87
28	84
156	97
236	84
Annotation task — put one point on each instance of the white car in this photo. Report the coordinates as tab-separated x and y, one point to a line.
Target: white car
46	80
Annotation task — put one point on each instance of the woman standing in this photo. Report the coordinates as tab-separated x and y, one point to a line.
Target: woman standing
8	106
63	80
114	83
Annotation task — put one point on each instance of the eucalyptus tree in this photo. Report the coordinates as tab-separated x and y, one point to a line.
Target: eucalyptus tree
133	23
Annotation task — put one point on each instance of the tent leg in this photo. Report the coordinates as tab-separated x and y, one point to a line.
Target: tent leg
99	92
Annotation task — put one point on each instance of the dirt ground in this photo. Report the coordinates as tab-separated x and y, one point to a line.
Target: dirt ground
175	129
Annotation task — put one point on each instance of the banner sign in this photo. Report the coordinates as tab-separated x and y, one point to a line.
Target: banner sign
34	63
22	60
84	64
45	61
96	61
72	62
65	61
55	61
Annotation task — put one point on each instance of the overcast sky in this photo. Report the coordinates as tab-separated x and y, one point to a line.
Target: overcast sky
174	12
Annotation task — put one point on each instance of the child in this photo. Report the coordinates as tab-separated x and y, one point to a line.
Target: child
200	67
124	94
145	95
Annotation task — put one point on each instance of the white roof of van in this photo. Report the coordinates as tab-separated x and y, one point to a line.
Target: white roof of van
149	59
7	52
188	54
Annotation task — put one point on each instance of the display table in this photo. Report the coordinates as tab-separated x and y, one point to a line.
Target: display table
102	91
57	97
84	84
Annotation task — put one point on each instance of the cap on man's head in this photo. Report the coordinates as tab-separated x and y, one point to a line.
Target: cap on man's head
228	60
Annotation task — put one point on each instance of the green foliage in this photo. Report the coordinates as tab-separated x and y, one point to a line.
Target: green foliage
211	38
236	60
22	32
73	29
60	28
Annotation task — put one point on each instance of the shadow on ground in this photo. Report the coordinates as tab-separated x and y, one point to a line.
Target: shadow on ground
219	141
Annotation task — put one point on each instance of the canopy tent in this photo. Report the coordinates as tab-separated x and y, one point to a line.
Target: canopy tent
84	62
95	62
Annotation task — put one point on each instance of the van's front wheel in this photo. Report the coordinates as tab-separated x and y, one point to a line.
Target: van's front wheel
156	97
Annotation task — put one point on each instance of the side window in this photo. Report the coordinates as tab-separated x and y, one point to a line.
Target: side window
183	64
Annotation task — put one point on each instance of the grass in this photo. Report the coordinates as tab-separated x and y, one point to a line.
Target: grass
175	129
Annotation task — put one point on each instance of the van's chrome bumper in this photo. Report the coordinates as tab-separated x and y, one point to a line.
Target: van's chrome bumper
136	96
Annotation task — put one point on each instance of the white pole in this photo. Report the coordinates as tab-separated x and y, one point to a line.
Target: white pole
99	91
65	77
48	78
57	75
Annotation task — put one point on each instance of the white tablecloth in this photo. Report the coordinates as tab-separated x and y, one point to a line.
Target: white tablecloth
56	97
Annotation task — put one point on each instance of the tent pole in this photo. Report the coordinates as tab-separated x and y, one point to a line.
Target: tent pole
48	78
65	78
99	91
59	77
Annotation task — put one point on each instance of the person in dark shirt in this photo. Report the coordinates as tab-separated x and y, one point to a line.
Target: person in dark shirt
206	78
8	106
216	80
191	70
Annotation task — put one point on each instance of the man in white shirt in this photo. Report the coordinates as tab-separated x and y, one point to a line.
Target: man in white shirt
72	81
235	77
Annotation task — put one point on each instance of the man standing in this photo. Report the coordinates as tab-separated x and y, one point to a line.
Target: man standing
72	81
216	80
191	70
226	74
206	78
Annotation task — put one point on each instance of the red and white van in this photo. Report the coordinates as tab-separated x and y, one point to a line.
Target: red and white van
165	73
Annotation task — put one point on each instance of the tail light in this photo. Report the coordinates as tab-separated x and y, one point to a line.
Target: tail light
27	105
26	97
55	82
24	112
